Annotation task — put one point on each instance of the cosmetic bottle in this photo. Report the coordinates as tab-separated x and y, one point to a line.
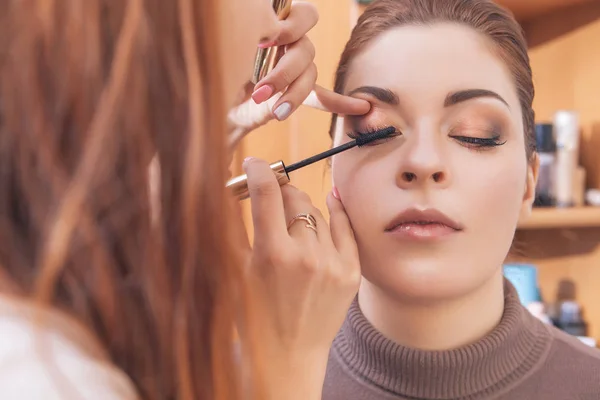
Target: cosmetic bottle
524	278
592	197
566	128
570	320
579	187
546	147
267	58
537	308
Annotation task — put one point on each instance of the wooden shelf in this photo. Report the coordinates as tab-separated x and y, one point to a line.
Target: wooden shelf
525	10
553	218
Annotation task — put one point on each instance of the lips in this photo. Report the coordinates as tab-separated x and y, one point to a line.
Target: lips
422	224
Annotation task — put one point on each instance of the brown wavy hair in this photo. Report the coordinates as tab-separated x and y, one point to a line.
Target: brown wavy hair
90	92
484	16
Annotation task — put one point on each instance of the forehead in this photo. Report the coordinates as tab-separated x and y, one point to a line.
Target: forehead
431	60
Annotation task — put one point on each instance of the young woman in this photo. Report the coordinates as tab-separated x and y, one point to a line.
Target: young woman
434	211
103	296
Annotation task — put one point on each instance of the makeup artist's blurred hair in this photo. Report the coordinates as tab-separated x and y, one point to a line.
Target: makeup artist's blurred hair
90	91
492	21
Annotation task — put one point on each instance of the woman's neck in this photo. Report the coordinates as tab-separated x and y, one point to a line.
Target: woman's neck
440	325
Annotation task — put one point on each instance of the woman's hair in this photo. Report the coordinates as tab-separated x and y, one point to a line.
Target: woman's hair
484	16
90	92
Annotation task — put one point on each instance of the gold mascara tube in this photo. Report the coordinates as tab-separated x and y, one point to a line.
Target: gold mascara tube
239	184
267	58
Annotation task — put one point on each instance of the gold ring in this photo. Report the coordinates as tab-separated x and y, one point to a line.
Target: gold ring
311	222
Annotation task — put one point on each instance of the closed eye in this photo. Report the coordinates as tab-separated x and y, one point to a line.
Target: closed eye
478	142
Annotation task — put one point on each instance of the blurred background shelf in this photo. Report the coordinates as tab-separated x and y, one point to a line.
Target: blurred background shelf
553	218
525	10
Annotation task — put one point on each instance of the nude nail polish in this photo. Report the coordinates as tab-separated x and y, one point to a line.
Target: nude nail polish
282	111
335	193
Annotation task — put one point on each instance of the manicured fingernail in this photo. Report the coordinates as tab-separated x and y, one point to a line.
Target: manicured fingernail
282	111
265	45
335	193
246	161
262	94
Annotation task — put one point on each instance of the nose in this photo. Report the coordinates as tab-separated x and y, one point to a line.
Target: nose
422	163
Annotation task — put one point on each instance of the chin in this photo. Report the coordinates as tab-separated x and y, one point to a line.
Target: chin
426	280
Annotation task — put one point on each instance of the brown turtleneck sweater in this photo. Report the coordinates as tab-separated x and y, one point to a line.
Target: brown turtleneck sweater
521	359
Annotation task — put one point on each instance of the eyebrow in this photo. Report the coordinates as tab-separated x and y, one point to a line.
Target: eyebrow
384	95
388	96
469	94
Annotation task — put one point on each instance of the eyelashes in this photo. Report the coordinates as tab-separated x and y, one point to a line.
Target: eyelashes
466	134
478	142
356	134
471	142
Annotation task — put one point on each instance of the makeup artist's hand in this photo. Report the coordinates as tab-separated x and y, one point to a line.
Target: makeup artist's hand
304	281
291	83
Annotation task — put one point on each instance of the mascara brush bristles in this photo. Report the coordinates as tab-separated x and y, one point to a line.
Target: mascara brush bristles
377	135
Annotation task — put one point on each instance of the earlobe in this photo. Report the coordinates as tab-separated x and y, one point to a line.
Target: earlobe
530	184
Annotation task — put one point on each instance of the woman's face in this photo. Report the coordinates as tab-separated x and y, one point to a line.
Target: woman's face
244	24
434	209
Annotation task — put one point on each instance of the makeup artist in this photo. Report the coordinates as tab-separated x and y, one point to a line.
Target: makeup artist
116	286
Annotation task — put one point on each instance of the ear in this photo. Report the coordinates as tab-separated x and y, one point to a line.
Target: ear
533	169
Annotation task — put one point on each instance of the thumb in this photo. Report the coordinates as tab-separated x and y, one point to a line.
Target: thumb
329	101
341	229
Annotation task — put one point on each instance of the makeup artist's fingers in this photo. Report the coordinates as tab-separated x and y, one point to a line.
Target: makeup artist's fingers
303	17
295	93
297	58
341	229
265	197
329	101
296	202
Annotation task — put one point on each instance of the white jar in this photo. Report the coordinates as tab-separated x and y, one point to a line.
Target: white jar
566	128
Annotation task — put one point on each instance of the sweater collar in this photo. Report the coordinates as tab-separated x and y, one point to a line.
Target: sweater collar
502	357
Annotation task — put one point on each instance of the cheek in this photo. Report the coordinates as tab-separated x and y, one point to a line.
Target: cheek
495	192
359	191
352	174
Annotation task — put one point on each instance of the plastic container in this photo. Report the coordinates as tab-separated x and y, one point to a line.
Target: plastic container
566	129
546	147
524	279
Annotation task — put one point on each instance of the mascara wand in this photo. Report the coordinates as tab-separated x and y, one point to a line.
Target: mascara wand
239	184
